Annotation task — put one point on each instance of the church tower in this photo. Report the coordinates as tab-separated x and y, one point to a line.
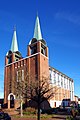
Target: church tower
11	57
38	53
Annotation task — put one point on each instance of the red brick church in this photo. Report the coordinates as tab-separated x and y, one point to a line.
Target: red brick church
36	62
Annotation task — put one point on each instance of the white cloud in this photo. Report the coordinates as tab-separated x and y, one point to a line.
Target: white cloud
74	18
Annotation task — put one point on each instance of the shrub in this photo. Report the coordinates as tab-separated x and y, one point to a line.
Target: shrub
74	112
69	118
29	111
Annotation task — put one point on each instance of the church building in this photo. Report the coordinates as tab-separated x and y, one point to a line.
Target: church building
36	63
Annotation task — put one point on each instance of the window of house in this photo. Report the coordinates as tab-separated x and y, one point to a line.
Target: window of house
64	82
54	78
58	80
61	81
17	76
22	75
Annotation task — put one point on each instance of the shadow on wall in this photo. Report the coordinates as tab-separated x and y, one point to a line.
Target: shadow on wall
44	105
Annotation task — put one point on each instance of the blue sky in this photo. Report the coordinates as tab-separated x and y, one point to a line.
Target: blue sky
60	25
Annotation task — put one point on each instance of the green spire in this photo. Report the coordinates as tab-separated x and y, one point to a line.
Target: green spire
14	45
37	30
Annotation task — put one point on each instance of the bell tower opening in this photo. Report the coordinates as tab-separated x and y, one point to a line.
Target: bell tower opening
33	49
43	49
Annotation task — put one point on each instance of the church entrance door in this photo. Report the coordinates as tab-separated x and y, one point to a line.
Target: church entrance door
11	101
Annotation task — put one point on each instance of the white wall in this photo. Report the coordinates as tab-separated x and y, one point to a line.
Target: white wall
63	81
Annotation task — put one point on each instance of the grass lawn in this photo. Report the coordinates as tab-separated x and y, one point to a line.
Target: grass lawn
32	117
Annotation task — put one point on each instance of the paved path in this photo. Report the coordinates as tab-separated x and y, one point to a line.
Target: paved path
36	119
56	117
12	113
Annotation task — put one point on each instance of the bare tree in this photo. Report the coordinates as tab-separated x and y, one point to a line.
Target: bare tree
36	89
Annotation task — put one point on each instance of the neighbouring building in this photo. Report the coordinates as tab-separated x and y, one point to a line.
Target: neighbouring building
65	85
36	62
